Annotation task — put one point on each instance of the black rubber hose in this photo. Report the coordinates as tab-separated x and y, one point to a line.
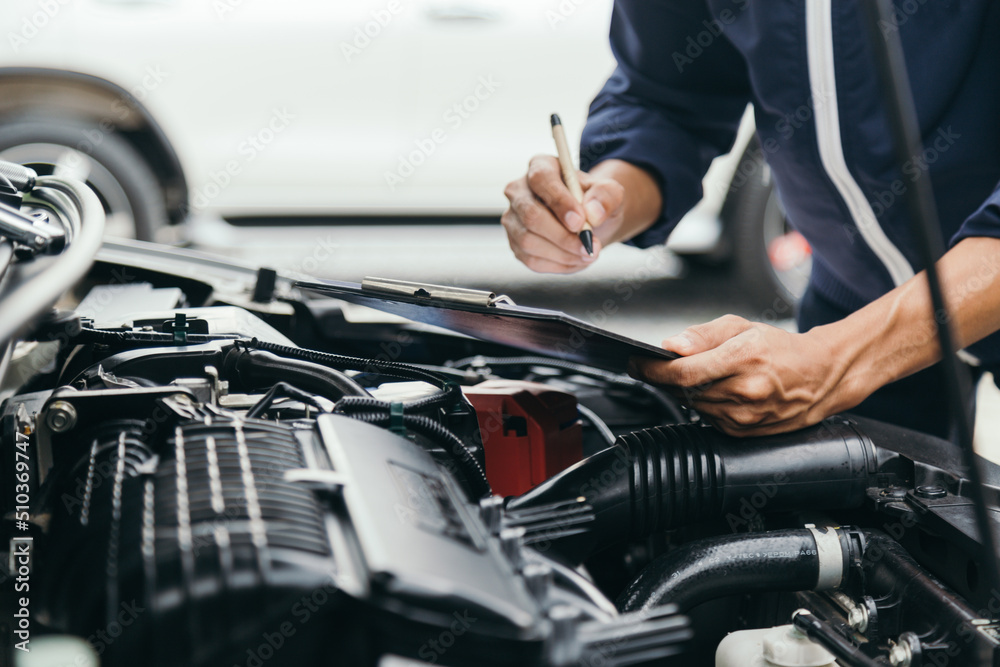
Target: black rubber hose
478	484
391	369
341	362
671	476
784	560
256	368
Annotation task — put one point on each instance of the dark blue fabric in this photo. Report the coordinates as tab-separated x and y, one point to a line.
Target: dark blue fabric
686	69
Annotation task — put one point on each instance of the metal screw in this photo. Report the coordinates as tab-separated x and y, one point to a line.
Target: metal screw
857	618
491	511
61	416
538	577
511	541
900	654
931	491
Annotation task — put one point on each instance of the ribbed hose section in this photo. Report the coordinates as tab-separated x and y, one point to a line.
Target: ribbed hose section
784	560
675	478
672	476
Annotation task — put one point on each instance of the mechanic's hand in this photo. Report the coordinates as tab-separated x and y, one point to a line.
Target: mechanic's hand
544	219
749	378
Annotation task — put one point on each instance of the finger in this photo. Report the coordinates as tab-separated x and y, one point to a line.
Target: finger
545	265
536	245
545	180
602	200
703	337
536	252
693	373
535	217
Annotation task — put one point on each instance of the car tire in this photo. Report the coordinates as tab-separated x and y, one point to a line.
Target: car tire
754	220
132	196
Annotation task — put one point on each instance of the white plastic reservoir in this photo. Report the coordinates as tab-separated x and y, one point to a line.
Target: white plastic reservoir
782	646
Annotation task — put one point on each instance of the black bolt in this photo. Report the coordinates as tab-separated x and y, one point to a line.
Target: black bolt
931	491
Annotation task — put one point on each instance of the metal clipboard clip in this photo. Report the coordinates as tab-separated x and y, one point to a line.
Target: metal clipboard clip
441	294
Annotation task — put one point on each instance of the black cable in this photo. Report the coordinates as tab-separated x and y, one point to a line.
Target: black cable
617	379
826	636
478	485
598	423
281	390
919	199
341	362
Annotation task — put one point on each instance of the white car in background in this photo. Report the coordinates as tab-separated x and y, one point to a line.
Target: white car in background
259	109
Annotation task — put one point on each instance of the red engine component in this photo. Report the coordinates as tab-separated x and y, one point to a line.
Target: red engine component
530	432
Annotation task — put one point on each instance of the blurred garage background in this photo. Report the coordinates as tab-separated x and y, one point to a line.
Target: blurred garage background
372	137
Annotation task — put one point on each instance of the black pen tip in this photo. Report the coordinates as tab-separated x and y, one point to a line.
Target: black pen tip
587	238
555	120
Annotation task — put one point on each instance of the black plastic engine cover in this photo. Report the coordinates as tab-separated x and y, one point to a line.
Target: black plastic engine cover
236	542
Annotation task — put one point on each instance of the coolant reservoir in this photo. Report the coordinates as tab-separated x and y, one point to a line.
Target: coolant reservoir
783	646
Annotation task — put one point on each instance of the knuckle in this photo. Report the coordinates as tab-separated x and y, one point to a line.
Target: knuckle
684	376
696	334
756	389
515	190
530	216
744	417
511	224
510	189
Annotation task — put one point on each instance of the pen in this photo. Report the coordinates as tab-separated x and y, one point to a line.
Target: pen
569	177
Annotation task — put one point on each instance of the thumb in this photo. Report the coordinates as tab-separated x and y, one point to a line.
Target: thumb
704	337
602	198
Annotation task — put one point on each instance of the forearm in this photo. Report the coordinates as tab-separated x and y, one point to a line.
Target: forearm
896	335
643	199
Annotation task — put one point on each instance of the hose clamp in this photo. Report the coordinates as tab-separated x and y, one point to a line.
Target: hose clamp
831	558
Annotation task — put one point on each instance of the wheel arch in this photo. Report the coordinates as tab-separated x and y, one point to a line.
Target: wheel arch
59	94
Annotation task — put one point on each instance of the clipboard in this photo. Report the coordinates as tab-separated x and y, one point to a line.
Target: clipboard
492	318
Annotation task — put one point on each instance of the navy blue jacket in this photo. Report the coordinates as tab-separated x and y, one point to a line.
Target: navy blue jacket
687	69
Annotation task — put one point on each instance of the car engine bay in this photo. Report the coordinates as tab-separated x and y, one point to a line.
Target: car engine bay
206	465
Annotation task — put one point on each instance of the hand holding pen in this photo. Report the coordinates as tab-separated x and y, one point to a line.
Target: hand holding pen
546	217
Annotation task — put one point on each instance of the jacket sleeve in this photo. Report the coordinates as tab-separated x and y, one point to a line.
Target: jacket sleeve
673	103
984	222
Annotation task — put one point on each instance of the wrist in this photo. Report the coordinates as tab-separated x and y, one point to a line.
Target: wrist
850	375
643	199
